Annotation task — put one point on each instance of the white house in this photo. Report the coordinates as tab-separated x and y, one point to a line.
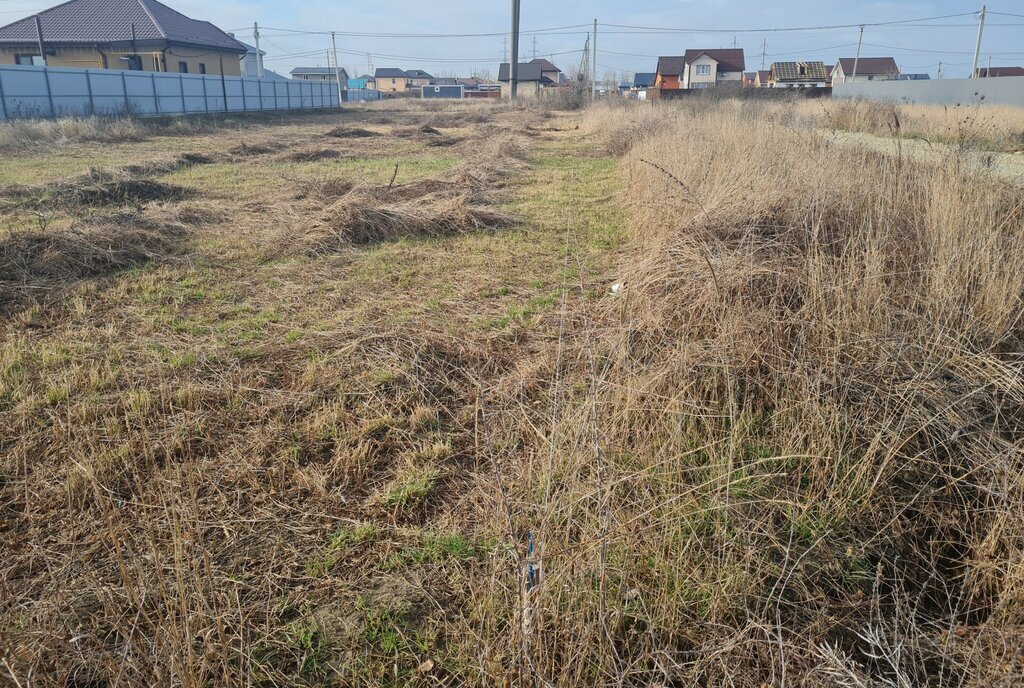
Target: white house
868	69
706	68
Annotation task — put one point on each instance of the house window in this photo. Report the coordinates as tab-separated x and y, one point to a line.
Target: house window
202	68
703	70
183	67
392	81
803	70
28	60
133	63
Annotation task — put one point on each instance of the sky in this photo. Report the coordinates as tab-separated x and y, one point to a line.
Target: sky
291	31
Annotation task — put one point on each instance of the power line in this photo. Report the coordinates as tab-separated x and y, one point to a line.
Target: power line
660	29
358	34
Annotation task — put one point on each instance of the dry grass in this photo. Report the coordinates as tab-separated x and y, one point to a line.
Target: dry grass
784	450
816	418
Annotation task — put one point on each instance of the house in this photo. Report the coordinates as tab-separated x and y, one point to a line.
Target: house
363	82
643	80
748	79
868	69
530	80
391	80
550	71
919	77
143	35
762	79
417	78
987	72
320	74
669	72
250	62
707	68
798	75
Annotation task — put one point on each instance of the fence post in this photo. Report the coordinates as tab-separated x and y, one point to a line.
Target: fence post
49	91
245	105
274	83
181	87
156	98
259	87
88	88
3	98
206	98
124	89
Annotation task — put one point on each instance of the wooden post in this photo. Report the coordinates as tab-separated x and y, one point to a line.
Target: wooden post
88	88
3	98
156	96
223	84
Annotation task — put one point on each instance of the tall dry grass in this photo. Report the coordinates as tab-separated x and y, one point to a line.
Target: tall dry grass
807	413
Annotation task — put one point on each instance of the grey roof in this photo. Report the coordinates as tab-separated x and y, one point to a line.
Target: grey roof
111	21
799	71
527	72
249	49
644	79
671	65
417	74
313	70
389	73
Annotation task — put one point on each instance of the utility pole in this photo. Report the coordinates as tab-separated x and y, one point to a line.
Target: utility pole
535	47
856	60
733	42
504	49
39	37
259	58
337	72
593	76
513	67
977	46
938	73
764	52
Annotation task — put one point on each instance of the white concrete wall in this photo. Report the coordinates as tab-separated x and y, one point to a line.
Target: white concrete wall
59	91
996	91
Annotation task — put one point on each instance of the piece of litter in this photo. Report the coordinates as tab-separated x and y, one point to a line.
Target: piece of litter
617	287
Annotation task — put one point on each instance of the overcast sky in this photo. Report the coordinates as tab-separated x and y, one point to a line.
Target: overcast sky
714	24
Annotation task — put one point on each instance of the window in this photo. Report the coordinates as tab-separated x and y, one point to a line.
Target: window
183	67
392	81
703	70
803	70
132	62
28	60
202	68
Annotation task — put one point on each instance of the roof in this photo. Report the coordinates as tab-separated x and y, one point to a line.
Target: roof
527	72
920	77
985	72
728	59
799	71
545	65
869	65
672	65
367	77
111	21
417	74
313	70
644	79
445	81
763	75
249	49
389	73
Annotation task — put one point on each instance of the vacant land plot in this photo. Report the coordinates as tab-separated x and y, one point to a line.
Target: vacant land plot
475	395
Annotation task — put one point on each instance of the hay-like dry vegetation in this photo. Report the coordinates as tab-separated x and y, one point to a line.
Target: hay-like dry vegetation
753	392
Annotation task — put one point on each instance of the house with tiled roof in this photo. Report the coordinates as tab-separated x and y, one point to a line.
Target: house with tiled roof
798	75
141	35
530	80
866	68
320	74
668	75
712	67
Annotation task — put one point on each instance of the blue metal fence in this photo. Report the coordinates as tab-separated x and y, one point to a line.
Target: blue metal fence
29	91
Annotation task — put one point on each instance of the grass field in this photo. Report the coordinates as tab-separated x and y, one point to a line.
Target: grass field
285	400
